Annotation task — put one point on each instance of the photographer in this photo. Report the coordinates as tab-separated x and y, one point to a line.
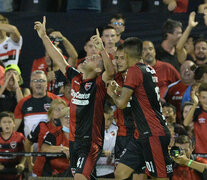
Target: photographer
187	167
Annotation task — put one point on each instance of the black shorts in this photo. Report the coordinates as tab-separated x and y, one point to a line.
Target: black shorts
84	155
121	143
150	152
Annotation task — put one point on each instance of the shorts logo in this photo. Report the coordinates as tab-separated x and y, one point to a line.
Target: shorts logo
13	144
88	86
123	152
46	106
169	168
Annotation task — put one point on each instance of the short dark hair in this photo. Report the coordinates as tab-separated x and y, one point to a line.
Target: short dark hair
202	87
169	27
199	70
183	139
199	40
118	16
6	114
133	46
106	28
120	47
171	106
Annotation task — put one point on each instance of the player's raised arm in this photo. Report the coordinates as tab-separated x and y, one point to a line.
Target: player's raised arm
50	48
109	69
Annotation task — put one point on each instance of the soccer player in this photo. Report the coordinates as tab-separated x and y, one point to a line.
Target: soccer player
152	146
87	101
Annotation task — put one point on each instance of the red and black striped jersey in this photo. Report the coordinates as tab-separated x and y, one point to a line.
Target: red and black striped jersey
56	137
200	130
33	110
125	121
174	96
145	103
86	107
37	136
14	144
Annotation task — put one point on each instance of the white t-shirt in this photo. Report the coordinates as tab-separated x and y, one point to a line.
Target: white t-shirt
102	168
10	50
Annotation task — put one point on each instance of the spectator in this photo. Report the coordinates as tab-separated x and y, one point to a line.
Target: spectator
10	141
166	73
66	90
166	51
37	134
198	115
118	22
169	111
187	168
105	164
185	110
33	109
200	51
189	47
200	76
57	140
180	6
181	51
11	92
175	91
109	38
54	76
10	45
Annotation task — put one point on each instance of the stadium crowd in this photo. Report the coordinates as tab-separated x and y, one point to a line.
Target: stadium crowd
127	110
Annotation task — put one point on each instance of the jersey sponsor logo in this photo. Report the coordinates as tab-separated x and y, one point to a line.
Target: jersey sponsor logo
88	86
80	102
29	108
79	95
177	97
13	144
202	120
79	98
5	46
46	106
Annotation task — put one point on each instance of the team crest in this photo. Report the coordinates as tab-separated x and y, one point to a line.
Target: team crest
13	144
88	86
5	46
112	133
46	106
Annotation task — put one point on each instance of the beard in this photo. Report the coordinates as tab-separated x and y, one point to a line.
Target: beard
201	58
